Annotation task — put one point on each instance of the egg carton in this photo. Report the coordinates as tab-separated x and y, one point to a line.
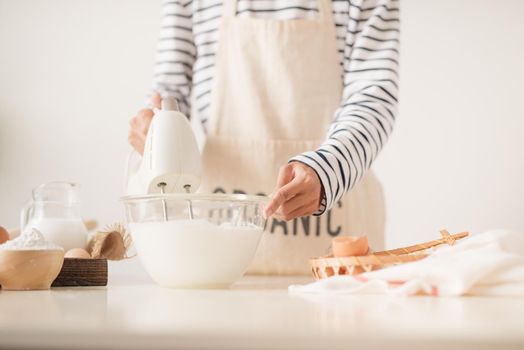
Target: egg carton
327	266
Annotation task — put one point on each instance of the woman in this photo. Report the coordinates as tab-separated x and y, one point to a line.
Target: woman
297	98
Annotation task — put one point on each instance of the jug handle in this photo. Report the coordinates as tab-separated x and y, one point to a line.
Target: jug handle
25	214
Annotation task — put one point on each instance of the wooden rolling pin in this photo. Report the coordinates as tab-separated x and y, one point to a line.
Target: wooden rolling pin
90	225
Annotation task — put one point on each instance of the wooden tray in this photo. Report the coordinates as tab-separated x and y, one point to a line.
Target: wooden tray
82	272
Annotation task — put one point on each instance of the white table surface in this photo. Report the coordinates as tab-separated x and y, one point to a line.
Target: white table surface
257	313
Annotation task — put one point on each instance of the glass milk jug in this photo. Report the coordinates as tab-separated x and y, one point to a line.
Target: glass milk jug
53	210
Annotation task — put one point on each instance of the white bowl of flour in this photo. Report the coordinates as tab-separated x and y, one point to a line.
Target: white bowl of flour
207	241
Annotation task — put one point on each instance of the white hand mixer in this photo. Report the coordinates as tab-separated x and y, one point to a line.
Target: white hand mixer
171	162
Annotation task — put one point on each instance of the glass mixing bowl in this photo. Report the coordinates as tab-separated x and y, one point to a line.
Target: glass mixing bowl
195	240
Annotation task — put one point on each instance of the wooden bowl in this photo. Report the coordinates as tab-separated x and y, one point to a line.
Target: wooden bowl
29	269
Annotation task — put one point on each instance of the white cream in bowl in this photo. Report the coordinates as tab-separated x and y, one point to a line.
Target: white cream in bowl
195	253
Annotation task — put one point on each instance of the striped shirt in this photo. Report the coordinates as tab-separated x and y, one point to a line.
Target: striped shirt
367	35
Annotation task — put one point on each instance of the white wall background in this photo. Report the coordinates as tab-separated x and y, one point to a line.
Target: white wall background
72	72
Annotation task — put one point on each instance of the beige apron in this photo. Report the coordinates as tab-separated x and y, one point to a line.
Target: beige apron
277	85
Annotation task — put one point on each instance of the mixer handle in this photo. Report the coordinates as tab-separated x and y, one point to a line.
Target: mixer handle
169	104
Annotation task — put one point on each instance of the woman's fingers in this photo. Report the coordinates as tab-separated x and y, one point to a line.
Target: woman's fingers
298	191
282	195
137	142
285	175
305	210
298	204
156	100
139	126
144	118
136	139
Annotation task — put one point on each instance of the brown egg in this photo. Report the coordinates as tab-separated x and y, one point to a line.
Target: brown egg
350	246
77	253
4	235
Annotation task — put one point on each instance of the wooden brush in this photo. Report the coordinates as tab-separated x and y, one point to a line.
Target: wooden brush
111	243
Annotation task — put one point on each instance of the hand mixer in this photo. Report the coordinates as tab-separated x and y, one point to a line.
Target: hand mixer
171	162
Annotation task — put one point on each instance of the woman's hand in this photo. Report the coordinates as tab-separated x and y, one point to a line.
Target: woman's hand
298	192
139	125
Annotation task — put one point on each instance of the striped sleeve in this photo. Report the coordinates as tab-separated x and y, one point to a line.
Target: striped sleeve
176	53
365	118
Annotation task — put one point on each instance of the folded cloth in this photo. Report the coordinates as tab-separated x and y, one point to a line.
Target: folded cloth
490	263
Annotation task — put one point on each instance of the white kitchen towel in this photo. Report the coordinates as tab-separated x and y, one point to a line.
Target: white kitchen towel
490	263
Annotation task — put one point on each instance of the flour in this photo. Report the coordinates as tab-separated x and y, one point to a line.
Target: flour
31	239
